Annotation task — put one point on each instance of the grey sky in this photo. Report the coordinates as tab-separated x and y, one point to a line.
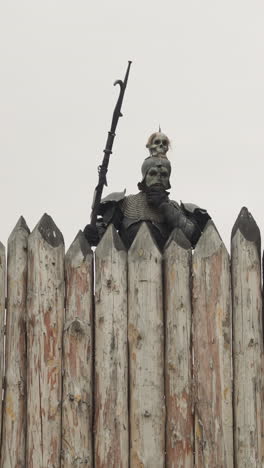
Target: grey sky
198	70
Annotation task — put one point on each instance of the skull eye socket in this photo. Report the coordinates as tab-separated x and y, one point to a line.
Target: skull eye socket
164	142
156	142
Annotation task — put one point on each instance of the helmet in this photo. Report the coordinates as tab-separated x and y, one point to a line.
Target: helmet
152	162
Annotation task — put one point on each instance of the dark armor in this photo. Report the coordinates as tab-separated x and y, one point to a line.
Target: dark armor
127	214
151	205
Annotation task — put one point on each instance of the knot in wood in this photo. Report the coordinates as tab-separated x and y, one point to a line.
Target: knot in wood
77	327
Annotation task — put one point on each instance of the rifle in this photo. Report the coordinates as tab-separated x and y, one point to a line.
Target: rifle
103	168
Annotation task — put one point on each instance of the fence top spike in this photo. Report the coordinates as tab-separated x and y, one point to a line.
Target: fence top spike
21	224
145	237
179	238
49	231
117	239
209	242
111	236
80	242
248	227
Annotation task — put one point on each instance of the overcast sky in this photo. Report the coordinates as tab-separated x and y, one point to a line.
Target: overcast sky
198	70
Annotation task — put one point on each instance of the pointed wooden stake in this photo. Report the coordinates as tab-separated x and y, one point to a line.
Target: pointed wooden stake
13	453
212	352
77	361
178	354
45	309
247	343
146	352
2	321
111	354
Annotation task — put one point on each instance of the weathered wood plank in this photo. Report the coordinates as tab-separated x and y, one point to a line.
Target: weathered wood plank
111	353
13	453
178	354
212	352
247	343
45	313
146	353
2	322
77	360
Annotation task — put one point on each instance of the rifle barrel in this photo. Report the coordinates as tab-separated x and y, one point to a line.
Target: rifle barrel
102	170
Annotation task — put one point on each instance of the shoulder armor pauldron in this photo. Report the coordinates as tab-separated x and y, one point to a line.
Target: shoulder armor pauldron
113	197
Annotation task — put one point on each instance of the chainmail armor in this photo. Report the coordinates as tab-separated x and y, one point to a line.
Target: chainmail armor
136	207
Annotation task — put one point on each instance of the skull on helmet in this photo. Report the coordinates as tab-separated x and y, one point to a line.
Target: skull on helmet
158	145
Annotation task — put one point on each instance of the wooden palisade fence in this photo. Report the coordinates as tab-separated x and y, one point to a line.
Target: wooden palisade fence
131	359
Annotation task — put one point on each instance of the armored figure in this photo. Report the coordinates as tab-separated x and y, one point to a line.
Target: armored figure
151	204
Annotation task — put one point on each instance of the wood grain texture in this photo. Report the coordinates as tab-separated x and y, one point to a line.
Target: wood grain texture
77	357
45	314
212	336
13	453
2	322
146	353
178	352
111	353
247	343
